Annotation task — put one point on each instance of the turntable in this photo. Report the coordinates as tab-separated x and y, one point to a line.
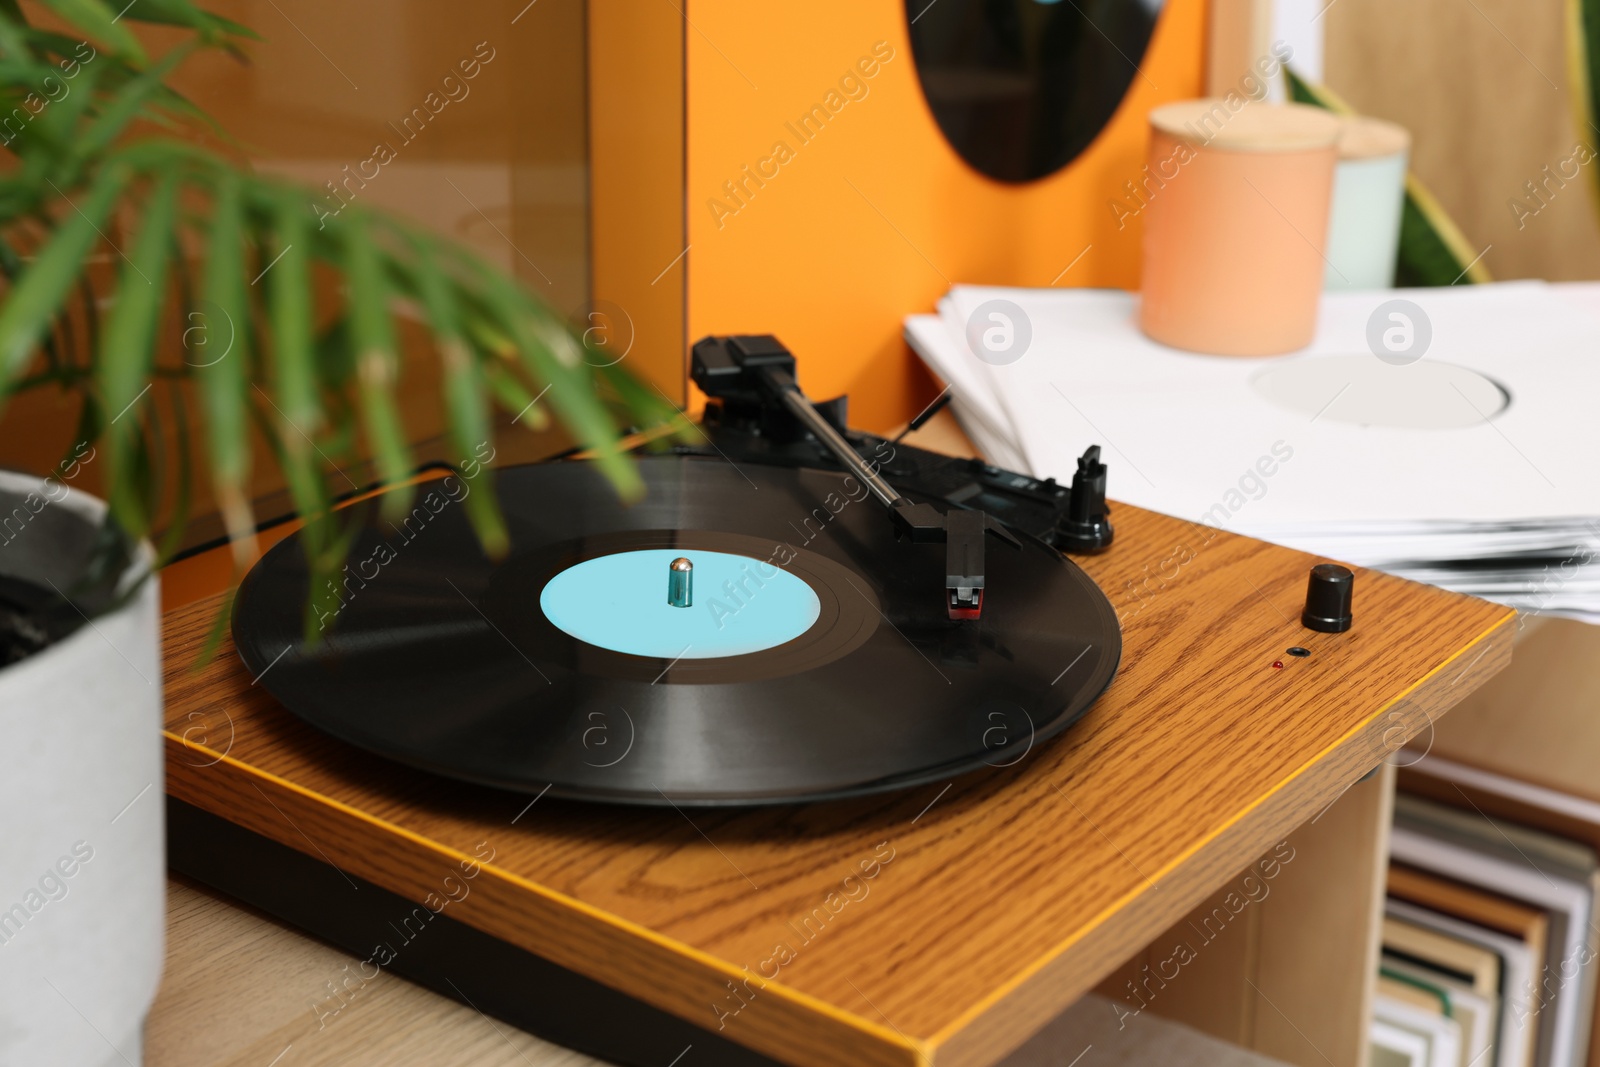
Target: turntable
813	756
746	633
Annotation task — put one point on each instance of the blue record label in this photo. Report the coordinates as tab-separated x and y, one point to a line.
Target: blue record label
740	604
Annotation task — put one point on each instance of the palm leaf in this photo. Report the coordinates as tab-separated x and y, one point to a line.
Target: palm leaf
224	388
13	41
62	120
127	105
41	291
313	395
464	393
507	388
183	496
183	13
288	293
100	22
377	361
127	348
550	354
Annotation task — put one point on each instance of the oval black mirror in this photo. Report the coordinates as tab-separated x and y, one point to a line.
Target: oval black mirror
1020	87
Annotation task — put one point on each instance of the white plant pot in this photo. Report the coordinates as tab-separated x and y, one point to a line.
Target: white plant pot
82	841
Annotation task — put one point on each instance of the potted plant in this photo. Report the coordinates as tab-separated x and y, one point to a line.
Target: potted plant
96	145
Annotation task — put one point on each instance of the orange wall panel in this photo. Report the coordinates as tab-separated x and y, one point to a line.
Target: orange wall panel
874	216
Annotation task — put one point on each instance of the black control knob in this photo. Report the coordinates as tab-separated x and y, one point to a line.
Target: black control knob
1328	596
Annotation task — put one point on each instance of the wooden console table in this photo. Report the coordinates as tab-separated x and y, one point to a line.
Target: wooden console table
995	900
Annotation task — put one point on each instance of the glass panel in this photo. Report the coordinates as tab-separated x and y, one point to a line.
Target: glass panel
470	118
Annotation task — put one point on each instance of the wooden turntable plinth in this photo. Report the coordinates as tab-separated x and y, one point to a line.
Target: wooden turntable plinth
943	925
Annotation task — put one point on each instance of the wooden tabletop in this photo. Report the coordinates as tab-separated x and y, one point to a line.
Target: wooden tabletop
242	990
994	900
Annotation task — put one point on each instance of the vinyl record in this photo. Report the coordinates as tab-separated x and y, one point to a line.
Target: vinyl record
1020	88
815	659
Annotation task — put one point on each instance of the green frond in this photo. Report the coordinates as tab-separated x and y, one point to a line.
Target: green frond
318	391
40	291
213	28
377	358
127	349
466	399
550	354
100	22
215	343
285	270
126	106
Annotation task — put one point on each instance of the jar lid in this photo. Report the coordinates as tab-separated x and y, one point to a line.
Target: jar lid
1363	137
1250	127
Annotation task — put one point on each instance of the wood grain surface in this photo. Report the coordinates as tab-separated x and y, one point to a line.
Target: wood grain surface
994	900
243	990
